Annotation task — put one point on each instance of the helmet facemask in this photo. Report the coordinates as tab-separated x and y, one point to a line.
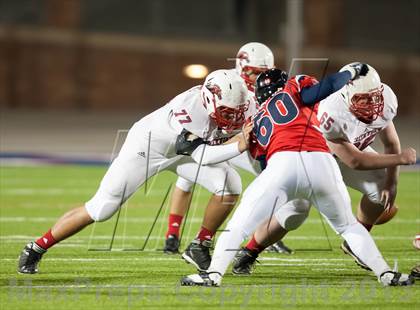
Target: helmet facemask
367	107
252	59
250	74
229	119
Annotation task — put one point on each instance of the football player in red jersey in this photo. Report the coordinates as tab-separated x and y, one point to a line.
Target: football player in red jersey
299	165
350	120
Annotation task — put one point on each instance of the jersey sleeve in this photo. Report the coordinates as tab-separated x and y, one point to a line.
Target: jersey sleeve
390	104
189	114
330	124
252	108
302	81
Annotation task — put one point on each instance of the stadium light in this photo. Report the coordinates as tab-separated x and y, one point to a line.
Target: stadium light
195	71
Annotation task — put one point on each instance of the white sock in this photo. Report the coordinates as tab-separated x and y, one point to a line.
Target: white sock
362	244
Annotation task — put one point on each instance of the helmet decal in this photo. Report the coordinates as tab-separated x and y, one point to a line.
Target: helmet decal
243	57
214	89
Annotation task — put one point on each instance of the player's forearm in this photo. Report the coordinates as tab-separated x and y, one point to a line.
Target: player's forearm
214	154
370	161
392	172
359	160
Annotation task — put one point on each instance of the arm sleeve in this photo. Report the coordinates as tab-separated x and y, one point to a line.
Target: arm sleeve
330	84
213	154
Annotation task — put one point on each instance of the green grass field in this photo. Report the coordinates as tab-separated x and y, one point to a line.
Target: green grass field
82	273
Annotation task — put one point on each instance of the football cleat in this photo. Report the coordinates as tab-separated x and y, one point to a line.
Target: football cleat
198	254
171	245
393	278
346	249
202	279
29	258
244	262
415	272
279	247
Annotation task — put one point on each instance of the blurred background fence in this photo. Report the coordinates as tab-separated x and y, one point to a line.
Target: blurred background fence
73	58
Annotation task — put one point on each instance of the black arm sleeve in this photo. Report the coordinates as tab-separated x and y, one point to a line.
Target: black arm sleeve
186	143
328	85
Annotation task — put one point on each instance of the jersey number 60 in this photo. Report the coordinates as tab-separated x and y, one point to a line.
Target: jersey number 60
281	111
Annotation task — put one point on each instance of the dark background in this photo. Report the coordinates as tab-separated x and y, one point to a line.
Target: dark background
119	55
73	73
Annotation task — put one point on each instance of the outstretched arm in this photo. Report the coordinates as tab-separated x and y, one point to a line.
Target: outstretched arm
204	154
331	83
359	160
391	142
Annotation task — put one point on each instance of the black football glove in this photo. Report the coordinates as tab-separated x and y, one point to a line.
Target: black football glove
358	69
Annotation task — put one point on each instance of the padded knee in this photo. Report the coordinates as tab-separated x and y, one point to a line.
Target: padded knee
374	197
101	207
184	184
293	214
227	182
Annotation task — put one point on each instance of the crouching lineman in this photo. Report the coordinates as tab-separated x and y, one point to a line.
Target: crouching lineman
251	59
299	165
175	137
350	119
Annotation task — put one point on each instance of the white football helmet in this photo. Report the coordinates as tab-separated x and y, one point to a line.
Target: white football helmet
364	96
252	59
225	97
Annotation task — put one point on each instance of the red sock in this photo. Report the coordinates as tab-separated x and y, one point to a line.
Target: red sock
204	234
174	224
46	241
254	246
367	226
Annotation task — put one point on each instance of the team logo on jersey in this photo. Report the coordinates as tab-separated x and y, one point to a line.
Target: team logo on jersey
368	133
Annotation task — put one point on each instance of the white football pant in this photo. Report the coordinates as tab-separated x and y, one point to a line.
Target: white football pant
141	158
314	176
368	182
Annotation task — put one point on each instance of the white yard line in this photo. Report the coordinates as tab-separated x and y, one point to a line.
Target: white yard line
149	219
51	191
146	219
12	238
287	261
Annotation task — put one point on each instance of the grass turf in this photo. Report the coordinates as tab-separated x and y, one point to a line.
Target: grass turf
82	272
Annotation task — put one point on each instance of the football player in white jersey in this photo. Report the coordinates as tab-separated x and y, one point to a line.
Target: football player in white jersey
251	59
175	137
350	120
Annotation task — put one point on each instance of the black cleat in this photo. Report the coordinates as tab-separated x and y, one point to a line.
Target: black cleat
171	245
415	272
244	262
202	279
279	247
393	278
346	249
29	258
198	254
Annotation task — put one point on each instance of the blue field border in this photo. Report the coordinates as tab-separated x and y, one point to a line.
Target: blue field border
52	159
66	160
